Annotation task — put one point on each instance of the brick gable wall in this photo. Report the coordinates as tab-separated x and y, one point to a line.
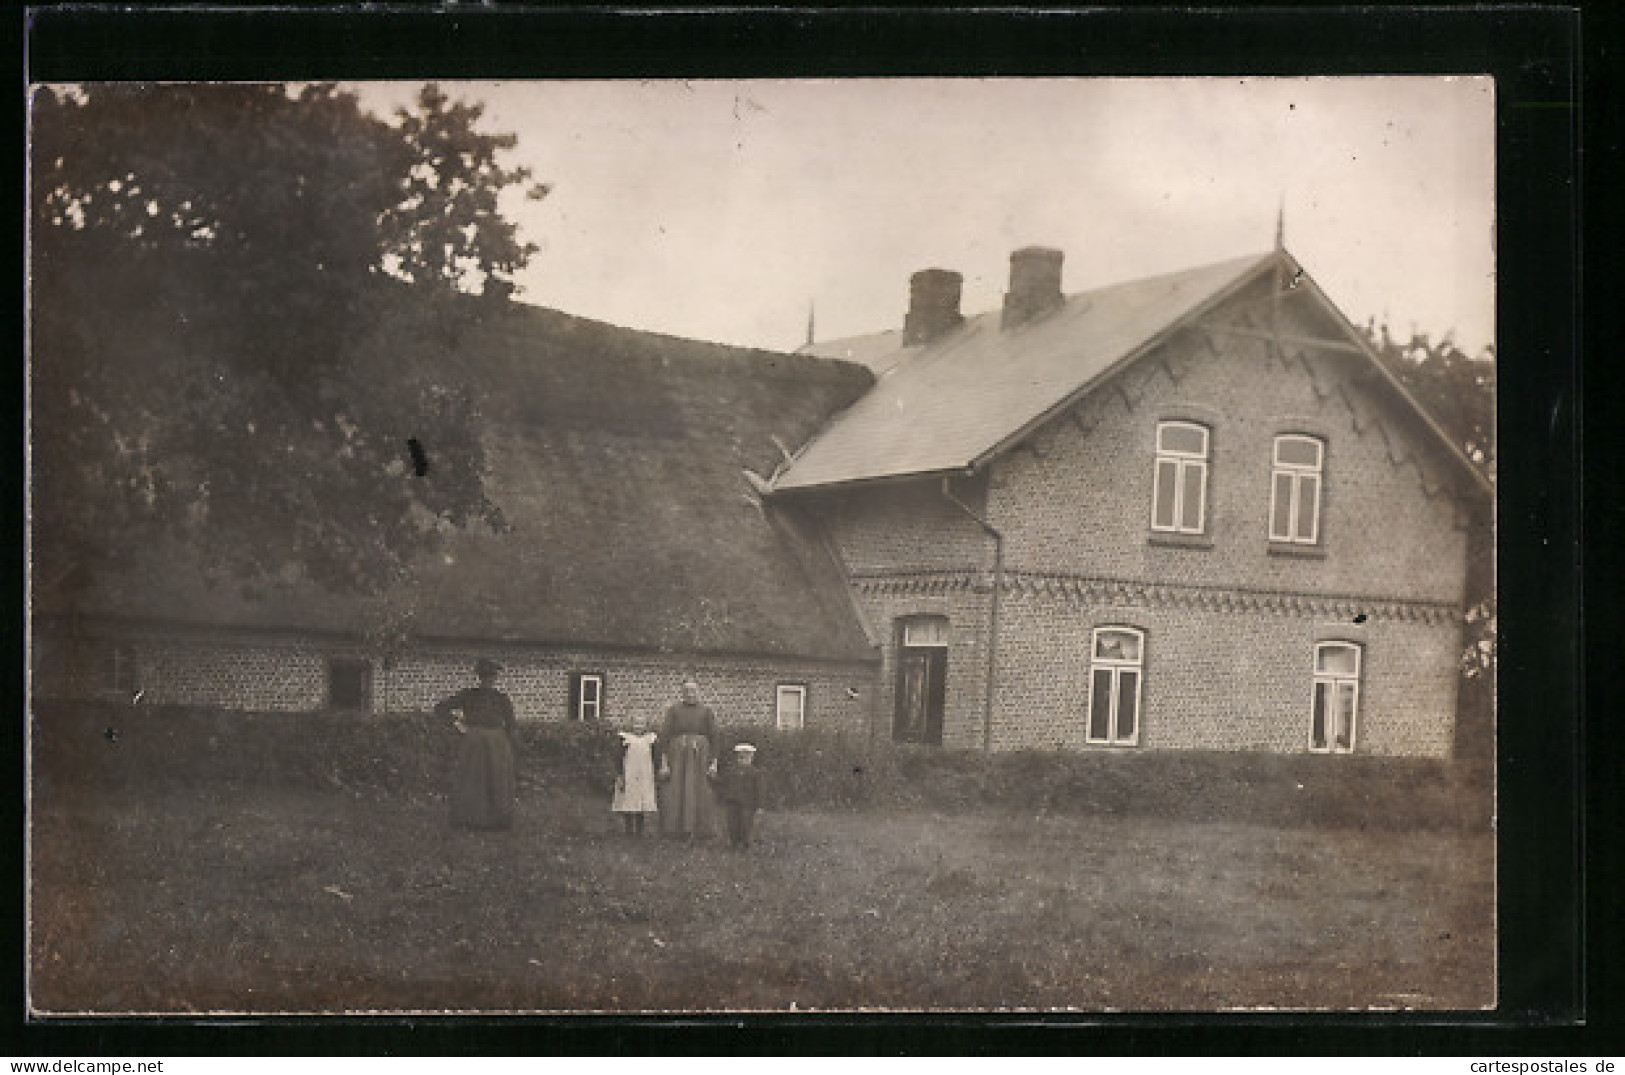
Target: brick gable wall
1231	621
1077	496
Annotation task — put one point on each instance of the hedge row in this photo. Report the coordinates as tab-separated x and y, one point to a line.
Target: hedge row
83	746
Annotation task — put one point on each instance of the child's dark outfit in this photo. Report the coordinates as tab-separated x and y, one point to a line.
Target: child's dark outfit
739	788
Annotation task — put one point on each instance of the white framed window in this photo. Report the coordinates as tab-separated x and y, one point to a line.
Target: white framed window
791	707
586	696
1295	484
1335	708
1179	484
1116	670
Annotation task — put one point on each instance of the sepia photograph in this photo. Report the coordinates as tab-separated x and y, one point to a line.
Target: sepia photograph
762	545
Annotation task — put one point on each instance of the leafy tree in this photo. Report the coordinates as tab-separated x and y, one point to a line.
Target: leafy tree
242	298
1457	389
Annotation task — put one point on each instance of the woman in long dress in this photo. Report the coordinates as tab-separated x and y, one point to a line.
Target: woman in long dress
483	786
688	740
635	776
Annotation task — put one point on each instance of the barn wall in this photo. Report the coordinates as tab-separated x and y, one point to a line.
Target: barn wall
261	672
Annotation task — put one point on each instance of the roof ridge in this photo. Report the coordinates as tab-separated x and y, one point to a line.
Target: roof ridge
957	415
1239	260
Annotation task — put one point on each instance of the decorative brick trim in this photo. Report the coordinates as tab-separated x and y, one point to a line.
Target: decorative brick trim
1182	411
921	583
1292	352
1096	590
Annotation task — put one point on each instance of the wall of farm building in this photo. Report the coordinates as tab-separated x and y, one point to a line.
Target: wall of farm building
1077	498
1214	678
1223	678
292	674
1232	618
965	608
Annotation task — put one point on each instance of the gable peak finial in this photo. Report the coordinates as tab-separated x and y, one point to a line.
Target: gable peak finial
811	310
1280	224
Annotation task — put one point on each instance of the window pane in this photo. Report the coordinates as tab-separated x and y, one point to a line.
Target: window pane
1297	452
1281	507
1167	483
1100	705
1338	660
1128	684
1317	727
1179	438
1117	646
790	699
1308	505
932	631
1195	477
1344	729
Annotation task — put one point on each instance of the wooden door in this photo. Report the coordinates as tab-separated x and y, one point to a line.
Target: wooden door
921	687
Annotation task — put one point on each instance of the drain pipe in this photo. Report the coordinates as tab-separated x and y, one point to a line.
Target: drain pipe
992	613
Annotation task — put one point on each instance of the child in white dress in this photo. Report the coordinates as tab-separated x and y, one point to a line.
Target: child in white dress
635	776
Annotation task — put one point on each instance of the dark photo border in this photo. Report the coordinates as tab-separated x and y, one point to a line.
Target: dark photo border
1535	55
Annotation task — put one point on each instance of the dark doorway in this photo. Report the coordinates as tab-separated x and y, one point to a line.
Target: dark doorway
349	684
922	677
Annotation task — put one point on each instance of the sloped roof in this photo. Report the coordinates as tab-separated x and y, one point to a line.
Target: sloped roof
879	351
946	405
617	458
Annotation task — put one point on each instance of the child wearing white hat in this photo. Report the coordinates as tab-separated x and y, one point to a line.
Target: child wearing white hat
739	787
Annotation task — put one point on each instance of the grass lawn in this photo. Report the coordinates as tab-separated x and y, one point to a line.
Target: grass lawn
268	900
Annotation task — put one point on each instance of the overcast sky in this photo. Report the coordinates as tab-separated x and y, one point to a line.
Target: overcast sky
722	210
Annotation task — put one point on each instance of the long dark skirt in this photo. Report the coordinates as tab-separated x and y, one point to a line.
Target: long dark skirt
483	788
687	806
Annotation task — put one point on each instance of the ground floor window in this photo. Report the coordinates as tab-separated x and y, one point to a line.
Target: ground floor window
1115	673
349	683
1336	705
791	707
586	695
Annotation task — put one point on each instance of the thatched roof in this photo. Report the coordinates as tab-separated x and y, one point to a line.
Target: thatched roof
618	459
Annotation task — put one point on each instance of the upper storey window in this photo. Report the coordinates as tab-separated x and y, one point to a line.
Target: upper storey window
1179	486
1295	484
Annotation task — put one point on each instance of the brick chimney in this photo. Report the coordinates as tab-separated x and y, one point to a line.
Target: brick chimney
1035	285
933	305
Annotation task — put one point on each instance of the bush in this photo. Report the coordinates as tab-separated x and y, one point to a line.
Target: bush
154	746
83	746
